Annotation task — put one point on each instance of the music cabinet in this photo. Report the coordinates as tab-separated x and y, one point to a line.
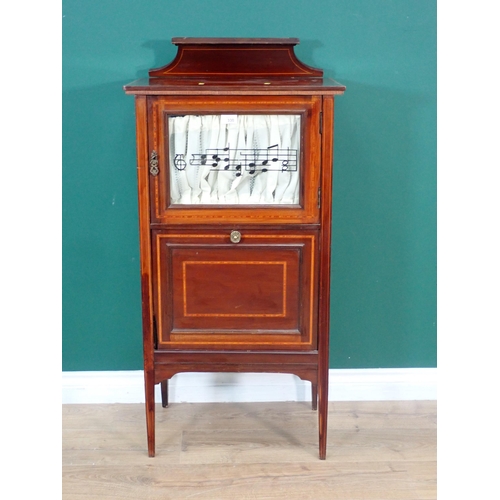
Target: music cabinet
235	165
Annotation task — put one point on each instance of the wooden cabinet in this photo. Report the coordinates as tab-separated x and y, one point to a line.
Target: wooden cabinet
234	158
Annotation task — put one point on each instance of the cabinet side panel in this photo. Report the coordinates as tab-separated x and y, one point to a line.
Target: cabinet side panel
144	234
326	226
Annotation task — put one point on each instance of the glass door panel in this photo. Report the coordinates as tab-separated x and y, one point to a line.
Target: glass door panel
234	159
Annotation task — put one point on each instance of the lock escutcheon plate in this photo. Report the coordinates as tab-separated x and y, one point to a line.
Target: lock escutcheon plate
153	164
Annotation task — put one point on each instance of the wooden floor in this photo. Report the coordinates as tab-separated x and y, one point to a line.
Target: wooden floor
237	451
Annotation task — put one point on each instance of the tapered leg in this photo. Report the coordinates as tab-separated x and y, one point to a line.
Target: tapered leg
164	393
322	407
314	393
150	411
322	418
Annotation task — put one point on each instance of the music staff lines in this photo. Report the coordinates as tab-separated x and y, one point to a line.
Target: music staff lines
252	161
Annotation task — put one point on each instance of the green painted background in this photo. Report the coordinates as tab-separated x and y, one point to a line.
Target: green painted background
384	227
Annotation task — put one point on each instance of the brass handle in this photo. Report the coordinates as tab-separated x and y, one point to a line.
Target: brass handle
235	236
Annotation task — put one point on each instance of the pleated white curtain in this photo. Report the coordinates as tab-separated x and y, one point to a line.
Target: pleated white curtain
202	184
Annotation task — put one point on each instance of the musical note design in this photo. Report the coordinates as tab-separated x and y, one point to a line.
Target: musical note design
251	160
179	162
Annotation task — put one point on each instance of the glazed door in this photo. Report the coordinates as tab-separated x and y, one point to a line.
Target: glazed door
234	159
237	290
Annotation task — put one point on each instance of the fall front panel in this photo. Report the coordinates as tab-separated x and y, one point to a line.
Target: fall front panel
259	292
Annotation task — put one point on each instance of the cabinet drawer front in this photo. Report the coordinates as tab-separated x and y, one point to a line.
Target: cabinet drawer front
257	293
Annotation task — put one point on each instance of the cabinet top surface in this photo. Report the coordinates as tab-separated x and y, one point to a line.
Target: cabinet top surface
234	41
235	66
242	86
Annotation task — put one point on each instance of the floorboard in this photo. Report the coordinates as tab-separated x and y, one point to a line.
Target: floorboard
376	451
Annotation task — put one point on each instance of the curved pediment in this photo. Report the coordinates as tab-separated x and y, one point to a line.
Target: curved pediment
235	57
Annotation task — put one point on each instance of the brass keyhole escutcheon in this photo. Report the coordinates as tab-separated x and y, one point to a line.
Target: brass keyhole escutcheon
153	164
235	236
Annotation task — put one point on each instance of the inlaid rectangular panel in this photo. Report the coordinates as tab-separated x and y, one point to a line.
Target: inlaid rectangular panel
208	289
259	292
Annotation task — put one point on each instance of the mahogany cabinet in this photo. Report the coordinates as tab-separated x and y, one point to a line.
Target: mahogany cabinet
234	161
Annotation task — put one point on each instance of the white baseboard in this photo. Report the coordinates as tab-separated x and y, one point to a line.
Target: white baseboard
381	384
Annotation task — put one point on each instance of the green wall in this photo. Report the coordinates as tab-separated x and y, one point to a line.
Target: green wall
384	227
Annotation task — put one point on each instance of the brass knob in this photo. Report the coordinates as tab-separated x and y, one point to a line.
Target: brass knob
235	236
